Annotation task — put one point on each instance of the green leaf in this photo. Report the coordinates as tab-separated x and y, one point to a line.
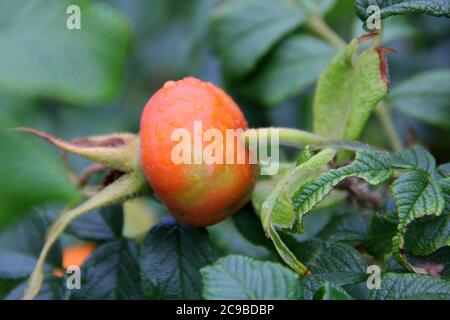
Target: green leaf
392	265
427	235
411	287
416	196
289	69
111	272
351	227
171	257
277	208
260	193
303	156
444	170
53	288
242	39
420	201
15	265
373	167
279	200
415	158
348	91
315	287
425	96
427	245
250	227
347	145
309	285
87	66
445	186
379	238
388	8
227	239
21	244
330	291
102	225
316	7
6	286
241	278
336	262
46	179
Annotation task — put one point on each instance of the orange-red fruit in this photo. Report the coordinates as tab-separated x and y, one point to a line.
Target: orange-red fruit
77	254
196	194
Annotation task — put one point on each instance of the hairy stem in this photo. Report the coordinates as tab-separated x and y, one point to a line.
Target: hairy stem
319	27
286	137
125	187
383	115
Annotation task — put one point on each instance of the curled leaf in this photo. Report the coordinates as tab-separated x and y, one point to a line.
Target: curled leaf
277	209
371	166
349	90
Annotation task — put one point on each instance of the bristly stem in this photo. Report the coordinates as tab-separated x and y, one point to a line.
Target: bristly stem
286	137
126	187
319	27
382	111
388	125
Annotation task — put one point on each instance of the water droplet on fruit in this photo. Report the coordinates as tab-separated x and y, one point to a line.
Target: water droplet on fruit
174	123
169	84
160	133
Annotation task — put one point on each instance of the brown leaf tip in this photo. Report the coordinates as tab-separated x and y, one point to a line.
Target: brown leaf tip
366	37
383	63
37	133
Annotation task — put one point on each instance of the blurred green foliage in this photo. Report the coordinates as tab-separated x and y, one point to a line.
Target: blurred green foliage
126	50
96	80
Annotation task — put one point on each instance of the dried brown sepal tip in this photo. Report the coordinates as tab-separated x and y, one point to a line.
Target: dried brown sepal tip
381	50
118	151
366	37
384	71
